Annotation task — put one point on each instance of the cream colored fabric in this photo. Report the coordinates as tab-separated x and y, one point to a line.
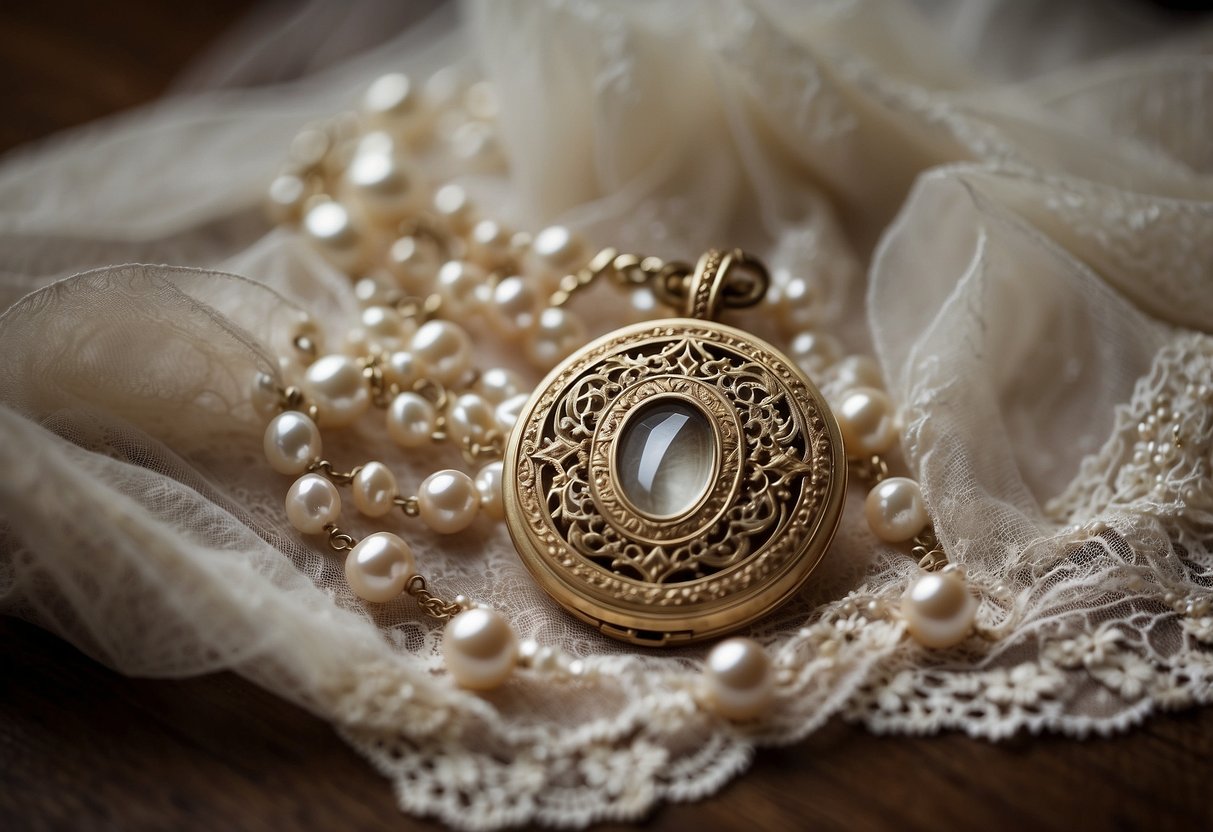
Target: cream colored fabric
1015	215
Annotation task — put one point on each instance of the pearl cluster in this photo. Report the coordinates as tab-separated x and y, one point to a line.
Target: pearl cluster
427	268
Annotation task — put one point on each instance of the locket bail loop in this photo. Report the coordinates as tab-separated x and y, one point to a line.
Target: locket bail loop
733	280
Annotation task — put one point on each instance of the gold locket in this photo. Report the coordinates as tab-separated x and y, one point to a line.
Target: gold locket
676	479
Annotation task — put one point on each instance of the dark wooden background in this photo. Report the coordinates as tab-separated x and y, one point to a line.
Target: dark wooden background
82	748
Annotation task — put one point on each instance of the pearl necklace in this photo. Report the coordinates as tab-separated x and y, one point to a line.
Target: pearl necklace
423	260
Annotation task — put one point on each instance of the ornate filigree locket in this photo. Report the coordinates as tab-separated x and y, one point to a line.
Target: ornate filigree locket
677	479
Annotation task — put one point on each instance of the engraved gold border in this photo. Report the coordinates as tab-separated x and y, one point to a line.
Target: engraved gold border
655	613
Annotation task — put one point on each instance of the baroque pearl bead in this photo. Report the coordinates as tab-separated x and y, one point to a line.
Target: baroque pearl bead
895	510
410	420
557	333
312	503
292	440
336	385
374	489
471	418
498	384
379	567
480	649
443	350
865	417
488	485
938	609
448	501
740	679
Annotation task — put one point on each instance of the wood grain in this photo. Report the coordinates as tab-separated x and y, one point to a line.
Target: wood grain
82	748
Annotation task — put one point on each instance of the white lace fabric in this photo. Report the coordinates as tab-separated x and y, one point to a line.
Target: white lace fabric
1024	244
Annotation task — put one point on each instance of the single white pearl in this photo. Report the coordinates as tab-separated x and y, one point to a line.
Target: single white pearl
556	334
335	383
386	187
308	148
384	325
895	510
374	489
740	679
292	440
390	94
474	143
312	503
938	609
329	226
414	261
453	204
514	308
858	371
379	567
865	417
488	484
497	384
375	141
443	350
509	411
445	87
265	397
285	197
489	244
814	352
558	248
644	305
459	283
376	289
402	369
480	649
410	420
481	101
448	501
470	418
393	101
798	307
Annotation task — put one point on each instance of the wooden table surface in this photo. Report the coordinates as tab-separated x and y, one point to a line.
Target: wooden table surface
83	748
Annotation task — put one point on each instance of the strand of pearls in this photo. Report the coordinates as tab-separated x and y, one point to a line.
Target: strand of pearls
426	265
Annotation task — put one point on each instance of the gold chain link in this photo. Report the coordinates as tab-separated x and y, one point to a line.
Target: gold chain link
434	606
324	466
669	279
931	556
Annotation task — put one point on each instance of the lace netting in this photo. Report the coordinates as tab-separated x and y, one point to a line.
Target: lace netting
1037	278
